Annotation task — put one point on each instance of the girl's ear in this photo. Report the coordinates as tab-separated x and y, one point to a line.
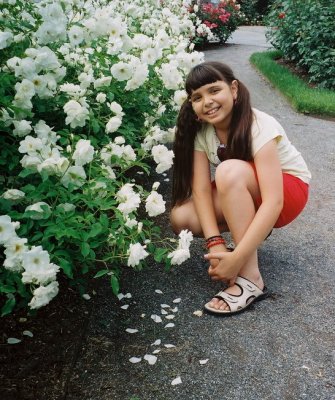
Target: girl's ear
234	88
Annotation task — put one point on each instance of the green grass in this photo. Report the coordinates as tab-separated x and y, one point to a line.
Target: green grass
301	96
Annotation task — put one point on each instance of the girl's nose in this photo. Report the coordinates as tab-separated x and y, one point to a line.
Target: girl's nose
208	100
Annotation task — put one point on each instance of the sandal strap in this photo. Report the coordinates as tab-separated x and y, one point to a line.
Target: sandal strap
249	291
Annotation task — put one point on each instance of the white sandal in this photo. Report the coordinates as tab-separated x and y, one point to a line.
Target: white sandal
238	303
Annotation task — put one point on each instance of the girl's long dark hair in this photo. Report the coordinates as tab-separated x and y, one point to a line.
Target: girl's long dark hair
239	135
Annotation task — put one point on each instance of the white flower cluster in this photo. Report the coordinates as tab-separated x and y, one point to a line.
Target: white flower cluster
183	250
87	67
34	264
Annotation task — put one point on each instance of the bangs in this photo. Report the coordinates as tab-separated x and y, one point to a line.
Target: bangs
201	75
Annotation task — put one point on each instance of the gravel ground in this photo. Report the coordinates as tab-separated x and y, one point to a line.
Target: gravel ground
282	348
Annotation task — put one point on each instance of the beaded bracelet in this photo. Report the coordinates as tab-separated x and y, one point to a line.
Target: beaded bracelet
213	237
214	243
214	240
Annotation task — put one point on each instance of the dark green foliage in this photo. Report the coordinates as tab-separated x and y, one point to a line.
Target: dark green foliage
304	31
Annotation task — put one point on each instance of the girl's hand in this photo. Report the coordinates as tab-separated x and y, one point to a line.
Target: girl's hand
226	269
220	248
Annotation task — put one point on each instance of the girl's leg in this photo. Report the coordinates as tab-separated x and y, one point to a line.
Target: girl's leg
238	190
184	216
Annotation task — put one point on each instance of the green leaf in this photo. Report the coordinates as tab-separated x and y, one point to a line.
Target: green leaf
66	267
101	273
8	307
26	172
115	284
85	249
7	289
95	125
95	230
159	254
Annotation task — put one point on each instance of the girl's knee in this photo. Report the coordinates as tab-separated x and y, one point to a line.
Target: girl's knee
181	217
176	220
231	173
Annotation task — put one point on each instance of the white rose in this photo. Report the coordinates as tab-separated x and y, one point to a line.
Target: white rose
83	153
136	253
113	124
101	97
37	266
154	204
116	109
37	207
7	230
163	157
22	128
179	256
121	71
6	39
75	175
13	194
43	295
76	114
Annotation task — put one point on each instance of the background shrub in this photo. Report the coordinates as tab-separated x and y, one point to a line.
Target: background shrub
304	31
253	11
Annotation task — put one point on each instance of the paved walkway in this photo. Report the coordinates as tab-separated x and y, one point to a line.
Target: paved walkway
283	348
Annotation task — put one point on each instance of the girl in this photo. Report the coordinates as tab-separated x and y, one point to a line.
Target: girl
261	180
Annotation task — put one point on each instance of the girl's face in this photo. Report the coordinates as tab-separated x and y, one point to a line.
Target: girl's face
213	103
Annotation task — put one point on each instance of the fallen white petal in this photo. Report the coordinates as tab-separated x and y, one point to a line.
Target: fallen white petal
174	309
203	361
156	318
125	306
170	325
167	180
120	296
86	296
13	340
177	300
164	312
128	296
156	343
198	313
158	291
135	360
176	381
156	351
165	306
27	333
130	330
171	316
169	346
142	315
150	358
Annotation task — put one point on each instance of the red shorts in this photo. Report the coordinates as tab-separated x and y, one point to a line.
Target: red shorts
295	198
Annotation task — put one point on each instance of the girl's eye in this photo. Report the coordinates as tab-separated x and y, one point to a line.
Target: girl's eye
195	99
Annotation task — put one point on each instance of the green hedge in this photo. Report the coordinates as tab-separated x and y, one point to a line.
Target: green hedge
304	31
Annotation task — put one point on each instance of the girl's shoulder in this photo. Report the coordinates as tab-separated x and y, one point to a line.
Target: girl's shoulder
263	121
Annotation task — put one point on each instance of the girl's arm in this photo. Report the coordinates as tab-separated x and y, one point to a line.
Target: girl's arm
271	187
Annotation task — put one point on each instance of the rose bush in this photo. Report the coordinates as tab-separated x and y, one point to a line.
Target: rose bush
214	22
304	32
88	93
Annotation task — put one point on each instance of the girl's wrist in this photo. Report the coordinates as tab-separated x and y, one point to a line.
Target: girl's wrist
217	248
